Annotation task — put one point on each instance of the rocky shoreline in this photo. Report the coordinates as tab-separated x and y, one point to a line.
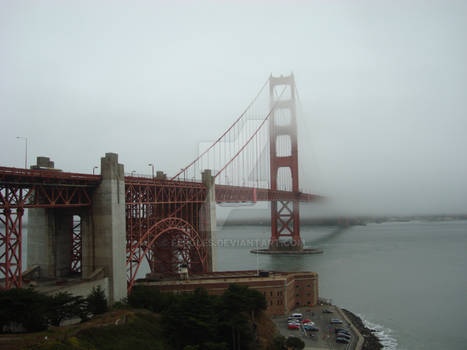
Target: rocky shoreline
371	342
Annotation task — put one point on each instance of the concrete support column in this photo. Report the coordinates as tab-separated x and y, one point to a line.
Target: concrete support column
49	241
40	242
63	228
208	219
109	228
87	244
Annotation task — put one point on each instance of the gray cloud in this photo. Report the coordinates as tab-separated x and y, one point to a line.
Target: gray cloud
382	86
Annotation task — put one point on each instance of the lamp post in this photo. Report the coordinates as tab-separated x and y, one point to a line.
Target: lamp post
26	152
94	169
152	166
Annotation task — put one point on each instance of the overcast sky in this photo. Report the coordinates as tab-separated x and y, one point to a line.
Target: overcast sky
383	87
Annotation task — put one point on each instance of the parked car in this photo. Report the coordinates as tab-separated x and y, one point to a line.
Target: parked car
293	326
297	315
342	330
327	311
343	335
311	328
342	340
335	321
306	320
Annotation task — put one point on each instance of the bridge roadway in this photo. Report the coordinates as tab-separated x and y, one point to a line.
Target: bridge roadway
64	189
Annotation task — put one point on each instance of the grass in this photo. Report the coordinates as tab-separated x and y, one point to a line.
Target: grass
116	330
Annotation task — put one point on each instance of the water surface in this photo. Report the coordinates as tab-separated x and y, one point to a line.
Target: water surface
407	278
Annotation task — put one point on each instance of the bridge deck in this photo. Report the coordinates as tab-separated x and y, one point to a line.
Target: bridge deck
60	189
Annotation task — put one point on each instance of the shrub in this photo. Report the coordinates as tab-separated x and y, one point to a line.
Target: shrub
143	297
295	343
24	307
64	305
97	302
278	343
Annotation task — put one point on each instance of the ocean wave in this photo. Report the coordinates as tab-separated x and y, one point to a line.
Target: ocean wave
385	335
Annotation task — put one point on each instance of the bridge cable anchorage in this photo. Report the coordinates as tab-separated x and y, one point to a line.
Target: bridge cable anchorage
183	170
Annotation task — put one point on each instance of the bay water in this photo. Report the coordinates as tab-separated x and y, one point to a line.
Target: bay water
408	280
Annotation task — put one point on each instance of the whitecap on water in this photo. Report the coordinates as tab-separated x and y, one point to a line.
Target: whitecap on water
385	335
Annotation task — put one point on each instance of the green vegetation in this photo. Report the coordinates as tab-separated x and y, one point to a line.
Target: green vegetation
32	311
150	320
202	321
23	308
134	330
96	301
294	343
291	343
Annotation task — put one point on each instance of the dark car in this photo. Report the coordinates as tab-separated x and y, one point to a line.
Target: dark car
343	335
342	340
335	321
342	330
327	311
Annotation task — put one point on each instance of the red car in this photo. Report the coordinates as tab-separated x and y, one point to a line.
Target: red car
306	320
293	326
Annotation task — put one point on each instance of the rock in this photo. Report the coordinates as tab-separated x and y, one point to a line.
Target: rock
371	342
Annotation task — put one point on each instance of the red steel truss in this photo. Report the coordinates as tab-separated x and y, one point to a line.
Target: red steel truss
76	245
163	222
234	194
163	226
22	188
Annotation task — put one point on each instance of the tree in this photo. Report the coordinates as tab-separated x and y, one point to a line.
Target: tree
191	319
97	301
278	343
24	307
62	306
237	302
295	343
215	346
150	298
191	347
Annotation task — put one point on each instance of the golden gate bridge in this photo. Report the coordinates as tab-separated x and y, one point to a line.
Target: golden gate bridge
167	221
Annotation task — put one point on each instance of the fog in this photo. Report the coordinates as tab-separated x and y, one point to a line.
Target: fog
382	85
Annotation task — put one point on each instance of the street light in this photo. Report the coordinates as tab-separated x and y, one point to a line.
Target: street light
26	152
152	166
94	169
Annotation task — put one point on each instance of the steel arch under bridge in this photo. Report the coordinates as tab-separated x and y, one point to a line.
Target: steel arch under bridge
164	227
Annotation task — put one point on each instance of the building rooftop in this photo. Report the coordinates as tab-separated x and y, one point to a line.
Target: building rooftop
221	277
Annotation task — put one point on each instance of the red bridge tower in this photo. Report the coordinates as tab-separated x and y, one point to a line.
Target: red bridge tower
285	219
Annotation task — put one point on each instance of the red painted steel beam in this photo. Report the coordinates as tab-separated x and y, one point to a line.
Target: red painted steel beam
250	194
27	176
148	191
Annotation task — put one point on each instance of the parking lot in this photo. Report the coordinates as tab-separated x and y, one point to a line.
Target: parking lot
325	338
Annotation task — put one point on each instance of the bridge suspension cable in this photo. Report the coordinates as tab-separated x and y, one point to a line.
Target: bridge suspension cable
184	170
240	156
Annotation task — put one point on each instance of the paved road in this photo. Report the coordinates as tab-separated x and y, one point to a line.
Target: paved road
325	338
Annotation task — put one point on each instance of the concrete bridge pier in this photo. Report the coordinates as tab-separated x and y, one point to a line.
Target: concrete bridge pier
207	218
103	245
49	241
